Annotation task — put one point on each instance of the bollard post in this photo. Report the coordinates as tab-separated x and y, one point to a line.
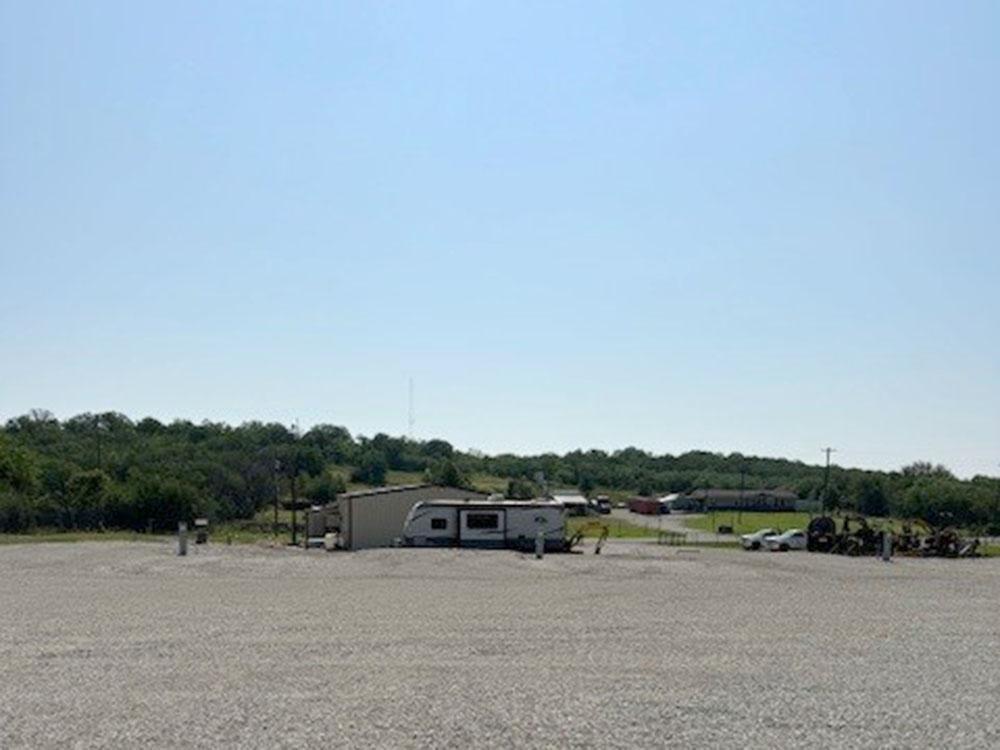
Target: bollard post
886	546
182	538
539	545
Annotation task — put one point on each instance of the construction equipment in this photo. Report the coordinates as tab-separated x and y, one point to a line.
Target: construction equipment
582	531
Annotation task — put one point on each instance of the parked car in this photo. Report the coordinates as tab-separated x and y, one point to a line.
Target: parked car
602	504
791	539
755	540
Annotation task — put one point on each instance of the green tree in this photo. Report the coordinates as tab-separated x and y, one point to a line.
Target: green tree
447	474
871	497
371	469
325	488
521	489
18	468
162	503
86	493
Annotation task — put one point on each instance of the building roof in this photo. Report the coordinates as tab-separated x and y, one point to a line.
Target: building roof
569	496
478	503
712	494
389	490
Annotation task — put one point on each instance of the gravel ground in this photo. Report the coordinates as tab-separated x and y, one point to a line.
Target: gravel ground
117	644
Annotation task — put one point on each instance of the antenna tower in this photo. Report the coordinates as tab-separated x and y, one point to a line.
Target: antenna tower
411	418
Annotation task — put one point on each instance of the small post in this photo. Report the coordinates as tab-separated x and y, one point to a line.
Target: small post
539	545
886	546
182	538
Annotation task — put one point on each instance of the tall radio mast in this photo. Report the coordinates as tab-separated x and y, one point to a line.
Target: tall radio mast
411	419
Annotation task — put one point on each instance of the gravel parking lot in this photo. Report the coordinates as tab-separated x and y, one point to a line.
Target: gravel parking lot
117	644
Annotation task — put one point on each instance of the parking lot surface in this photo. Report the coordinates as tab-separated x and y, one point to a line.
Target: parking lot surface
122	644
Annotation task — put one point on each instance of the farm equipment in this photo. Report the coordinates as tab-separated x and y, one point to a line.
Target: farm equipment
821	534
857	537
582	530
862	539
929	541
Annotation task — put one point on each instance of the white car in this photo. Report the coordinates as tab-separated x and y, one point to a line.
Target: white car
791	539
756	539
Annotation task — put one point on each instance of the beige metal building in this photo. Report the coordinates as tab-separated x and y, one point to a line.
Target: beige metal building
375	518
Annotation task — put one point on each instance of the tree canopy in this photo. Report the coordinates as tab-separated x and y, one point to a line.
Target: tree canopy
105	470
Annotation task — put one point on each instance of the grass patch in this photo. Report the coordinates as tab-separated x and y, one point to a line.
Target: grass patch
748	522
393	477
617	528
488	483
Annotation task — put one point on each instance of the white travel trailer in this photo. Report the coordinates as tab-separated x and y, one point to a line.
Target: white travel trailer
491	524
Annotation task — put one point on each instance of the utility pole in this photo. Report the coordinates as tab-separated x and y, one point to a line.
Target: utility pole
743	485
295	523
97	436
996	509
826	476
277	468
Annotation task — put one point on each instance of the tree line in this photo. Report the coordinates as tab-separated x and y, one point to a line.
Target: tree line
108	471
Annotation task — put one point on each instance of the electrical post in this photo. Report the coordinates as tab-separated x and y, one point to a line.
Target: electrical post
996	509
743	484
295	523
277	468
826	477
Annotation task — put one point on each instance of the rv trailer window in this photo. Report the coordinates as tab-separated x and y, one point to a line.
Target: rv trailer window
439	523
482	521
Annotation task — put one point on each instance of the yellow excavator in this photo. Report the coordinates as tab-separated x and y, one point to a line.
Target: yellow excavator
588	529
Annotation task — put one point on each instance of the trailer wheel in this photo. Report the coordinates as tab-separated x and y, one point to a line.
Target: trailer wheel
784	548
755	545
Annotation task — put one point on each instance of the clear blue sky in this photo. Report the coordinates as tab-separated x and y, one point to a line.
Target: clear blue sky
756	227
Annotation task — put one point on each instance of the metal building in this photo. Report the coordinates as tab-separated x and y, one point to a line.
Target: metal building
751	500
574	502
375	518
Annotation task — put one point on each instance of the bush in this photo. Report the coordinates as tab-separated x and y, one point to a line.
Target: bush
447	474
325	488
521	489
16	512
371	468
162	502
